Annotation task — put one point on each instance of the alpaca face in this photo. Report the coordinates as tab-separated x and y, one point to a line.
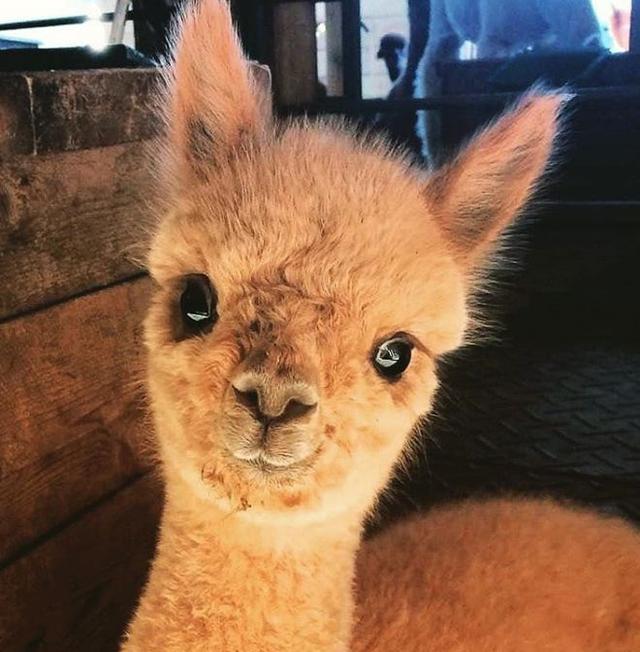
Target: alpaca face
327	298
307	282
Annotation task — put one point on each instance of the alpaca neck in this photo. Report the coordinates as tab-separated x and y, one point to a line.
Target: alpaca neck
224	582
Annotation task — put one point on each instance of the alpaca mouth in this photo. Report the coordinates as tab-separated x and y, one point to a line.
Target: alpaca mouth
263	465
271	464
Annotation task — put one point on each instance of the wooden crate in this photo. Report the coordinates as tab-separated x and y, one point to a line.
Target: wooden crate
78	501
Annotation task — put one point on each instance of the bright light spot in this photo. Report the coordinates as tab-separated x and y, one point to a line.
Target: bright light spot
94	35
94	12
321	29
93	30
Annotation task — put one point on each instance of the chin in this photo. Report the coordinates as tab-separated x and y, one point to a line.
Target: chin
257	485
329	480
306	492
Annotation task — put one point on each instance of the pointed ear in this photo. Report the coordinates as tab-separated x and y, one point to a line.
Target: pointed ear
215	102
476	196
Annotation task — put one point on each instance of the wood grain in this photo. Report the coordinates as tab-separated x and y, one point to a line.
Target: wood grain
295	52
16	128
92	108
71	416
71	110
333	53
76	592
67	223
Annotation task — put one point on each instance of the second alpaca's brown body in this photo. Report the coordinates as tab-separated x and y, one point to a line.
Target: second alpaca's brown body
306	281
504	575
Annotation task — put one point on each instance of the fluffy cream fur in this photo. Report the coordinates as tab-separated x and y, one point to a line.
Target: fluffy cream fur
319	245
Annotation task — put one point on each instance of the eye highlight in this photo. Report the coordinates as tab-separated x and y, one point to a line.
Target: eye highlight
392	357
197	305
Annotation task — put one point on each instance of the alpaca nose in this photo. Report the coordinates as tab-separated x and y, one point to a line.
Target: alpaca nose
273	400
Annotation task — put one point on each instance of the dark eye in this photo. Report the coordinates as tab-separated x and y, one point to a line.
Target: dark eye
392	357
197	305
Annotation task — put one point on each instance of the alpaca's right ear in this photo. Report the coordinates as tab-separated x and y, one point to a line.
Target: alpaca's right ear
215	103
476	196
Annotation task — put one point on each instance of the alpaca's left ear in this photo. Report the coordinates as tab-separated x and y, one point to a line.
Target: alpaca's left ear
476	196
216	102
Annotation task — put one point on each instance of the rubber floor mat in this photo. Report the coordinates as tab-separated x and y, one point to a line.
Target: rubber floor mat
529	419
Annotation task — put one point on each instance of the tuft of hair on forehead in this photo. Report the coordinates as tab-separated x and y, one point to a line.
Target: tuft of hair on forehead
314	184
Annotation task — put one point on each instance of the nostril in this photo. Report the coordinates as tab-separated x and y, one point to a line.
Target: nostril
271	400
296	410
248	398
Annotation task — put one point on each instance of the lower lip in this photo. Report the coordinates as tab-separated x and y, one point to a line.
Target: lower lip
262	465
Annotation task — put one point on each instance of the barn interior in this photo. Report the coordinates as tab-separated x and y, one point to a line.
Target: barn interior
548	403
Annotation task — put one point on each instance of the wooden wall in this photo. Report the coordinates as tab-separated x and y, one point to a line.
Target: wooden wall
78	499
295	52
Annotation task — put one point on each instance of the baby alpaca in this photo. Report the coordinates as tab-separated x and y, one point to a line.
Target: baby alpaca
505	575
306	282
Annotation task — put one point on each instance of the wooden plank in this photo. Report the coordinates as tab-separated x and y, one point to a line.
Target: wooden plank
75	110
76	592
92	108
71	419
335	61
295	52
61	111
67	222
16	128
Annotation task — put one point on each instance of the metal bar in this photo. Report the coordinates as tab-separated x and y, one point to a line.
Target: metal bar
149	22
116	33
610	95
351	50
268	37
253	20
634	36
59	22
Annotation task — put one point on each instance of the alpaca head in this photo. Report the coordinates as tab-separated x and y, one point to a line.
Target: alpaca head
306	283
